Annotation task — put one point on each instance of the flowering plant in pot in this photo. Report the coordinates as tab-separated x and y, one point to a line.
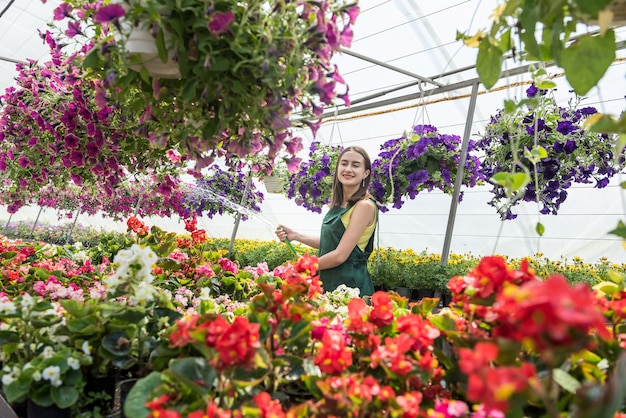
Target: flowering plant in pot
311	185
535	150
37	365
223	190
422	160
244	69
57	129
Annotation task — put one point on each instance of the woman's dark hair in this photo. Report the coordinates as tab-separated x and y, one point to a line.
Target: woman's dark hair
337	192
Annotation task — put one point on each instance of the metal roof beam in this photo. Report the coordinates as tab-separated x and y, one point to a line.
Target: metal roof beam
389	67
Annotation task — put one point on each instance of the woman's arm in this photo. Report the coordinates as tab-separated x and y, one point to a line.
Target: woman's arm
284	232
363	215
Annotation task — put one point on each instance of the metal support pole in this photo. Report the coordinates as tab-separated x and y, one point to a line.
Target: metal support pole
459	179
69	234
244	198
32	231
6	227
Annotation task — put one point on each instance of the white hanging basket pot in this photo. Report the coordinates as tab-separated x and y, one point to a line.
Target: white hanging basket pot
142	46
273	184
141	43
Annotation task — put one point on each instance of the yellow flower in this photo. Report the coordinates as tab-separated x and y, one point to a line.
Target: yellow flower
497	12
474	41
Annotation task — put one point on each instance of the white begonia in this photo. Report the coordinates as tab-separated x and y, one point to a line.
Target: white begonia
51	373
133	263
37	376
86	349
6	369
74	363
27	300
144	292
7	308
80	256
48	352
205	293
7	379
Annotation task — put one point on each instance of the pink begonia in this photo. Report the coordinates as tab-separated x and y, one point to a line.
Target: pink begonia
228	265
178	256
480	411
97	291
183	295
204	270
259	270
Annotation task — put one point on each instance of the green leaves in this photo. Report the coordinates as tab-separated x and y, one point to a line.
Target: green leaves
489	63
512	182
585	61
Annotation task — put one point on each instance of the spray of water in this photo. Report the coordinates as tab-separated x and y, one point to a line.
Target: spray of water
207	194
204	193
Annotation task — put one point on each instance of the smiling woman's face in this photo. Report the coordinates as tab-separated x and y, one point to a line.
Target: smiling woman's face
351	169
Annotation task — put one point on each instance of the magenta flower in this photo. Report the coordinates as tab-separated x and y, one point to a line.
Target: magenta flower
73	29
71	141
109	13
64	10
221	22
23	162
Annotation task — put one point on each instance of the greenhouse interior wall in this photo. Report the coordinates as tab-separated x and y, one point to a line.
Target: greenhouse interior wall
419	37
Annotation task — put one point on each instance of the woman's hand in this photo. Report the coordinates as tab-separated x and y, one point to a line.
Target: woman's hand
282	232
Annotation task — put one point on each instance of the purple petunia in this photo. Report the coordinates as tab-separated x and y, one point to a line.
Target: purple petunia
221	22
108	13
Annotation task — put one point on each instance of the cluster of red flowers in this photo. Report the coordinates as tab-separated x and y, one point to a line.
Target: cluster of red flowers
302	275
11	266
198	236
234	343
136	226
532	313
493	386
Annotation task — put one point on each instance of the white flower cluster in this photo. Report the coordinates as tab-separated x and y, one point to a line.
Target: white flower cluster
337	300
134	274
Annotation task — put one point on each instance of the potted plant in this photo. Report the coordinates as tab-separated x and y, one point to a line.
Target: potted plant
535	150
244	68
38	366
223	190
311	186
56	129
422	160
550	31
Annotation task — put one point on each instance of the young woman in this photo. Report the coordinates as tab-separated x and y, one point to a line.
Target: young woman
347	236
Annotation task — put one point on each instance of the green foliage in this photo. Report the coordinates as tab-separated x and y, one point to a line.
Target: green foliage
389	267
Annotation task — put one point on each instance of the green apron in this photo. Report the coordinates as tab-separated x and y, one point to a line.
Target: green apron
353	272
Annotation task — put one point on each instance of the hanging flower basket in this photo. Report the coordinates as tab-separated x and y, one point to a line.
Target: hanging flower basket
273	183
141	47
312	185
536	152
423	160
